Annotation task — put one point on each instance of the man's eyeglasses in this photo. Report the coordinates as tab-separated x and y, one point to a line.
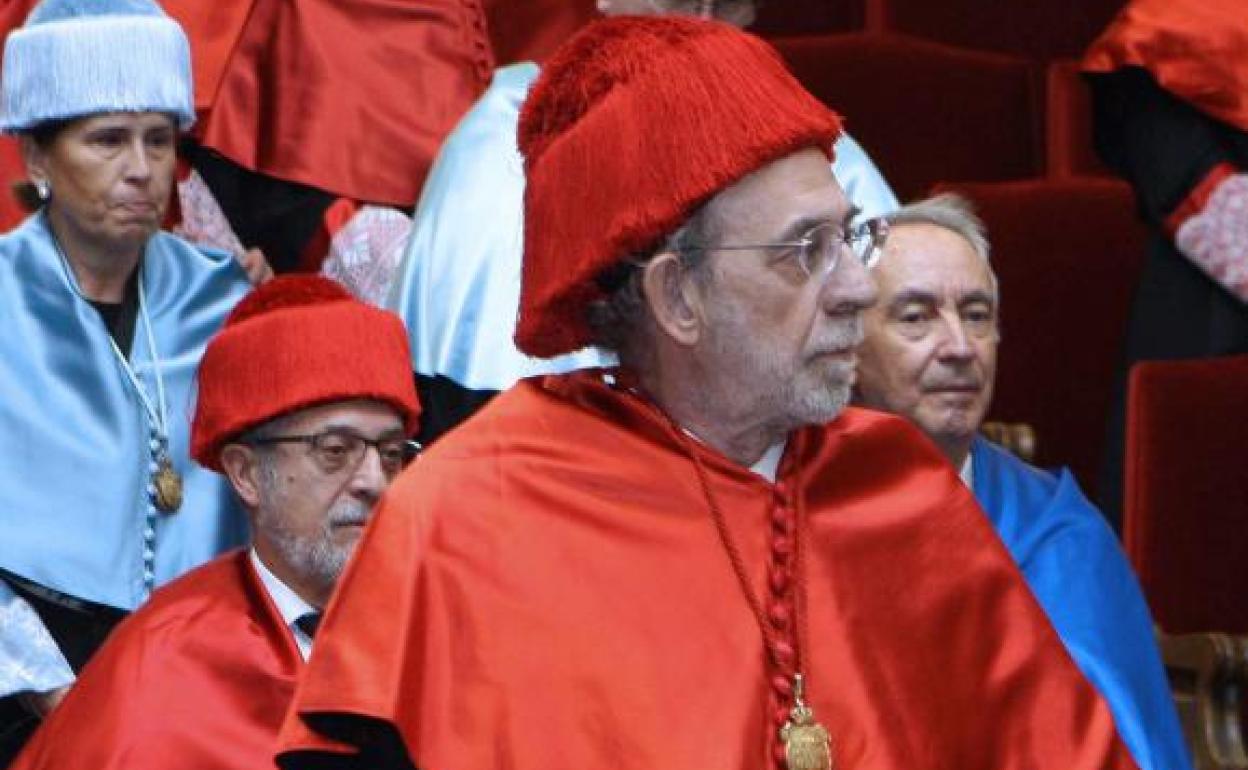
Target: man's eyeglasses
339	450
819	249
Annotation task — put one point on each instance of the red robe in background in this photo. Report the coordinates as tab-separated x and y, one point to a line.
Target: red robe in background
1195	49
529	30
199	677
545	588
352	97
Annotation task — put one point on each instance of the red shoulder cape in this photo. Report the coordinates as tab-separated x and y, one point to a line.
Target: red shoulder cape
545	589
199	677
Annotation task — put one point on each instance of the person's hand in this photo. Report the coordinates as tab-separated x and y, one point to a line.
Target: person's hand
42	703
255	265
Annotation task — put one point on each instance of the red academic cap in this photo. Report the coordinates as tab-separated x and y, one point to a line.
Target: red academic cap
632	125
298	341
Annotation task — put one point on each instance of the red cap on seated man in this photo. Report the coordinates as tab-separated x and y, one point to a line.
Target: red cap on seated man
306	403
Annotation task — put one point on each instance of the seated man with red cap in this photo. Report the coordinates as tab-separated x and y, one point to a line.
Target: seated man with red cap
701	559
309	433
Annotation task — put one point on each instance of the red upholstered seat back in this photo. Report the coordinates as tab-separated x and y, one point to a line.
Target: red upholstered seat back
1186	510
1068	123
809	17
1041	30
925	111
1066	254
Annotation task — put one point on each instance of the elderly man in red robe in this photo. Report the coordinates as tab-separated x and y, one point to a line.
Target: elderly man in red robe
701	559
309	433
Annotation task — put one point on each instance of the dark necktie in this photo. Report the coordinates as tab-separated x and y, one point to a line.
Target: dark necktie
308	623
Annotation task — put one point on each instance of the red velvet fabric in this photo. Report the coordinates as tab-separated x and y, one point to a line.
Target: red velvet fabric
1186	510
531	29
809	17
1039	30
1068	123
1067	254
925	111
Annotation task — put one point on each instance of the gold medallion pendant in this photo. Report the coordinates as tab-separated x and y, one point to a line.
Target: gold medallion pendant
807	745
168	486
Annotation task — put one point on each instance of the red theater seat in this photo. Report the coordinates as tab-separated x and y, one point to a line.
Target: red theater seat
1039	30
809	17
1068	123
1185	518
925	111
1067	254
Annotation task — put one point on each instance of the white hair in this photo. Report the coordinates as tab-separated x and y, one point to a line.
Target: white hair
955	213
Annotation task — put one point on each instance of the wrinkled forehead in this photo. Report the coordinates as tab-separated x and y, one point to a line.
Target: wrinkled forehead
784	197
362	415
931	259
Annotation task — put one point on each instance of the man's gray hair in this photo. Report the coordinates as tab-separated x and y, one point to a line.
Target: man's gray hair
720	9
949	210
620	321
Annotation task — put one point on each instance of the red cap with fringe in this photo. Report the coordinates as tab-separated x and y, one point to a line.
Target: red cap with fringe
298	341
633	124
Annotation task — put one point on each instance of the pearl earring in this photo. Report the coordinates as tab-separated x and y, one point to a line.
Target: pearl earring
43	189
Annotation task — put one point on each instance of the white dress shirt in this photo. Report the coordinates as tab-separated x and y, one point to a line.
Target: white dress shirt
289	604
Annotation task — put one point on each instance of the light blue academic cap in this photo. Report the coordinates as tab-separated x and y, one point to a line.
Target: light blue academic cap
74	58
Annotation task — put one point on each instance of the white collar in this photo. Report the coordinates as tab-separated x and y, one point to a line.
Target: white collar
289	604
769	463
967	472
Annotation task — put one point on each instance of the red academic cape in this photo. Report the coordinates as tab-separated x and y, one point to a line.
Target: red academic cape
545	589
198	678
1195	49
352	97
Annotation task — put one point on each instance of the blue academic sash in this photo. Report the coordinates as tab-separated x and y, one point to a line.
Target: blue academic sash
75	514
1072	561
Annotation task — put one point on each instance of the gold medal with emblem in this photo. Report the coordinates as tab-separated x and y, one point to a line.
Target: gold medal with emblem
168	486
807	745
